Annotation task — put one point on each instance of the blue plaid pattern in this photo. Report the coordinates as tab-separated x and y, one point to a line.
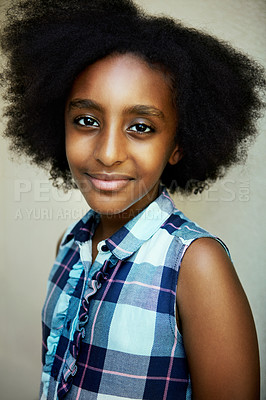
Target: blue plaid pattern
109	329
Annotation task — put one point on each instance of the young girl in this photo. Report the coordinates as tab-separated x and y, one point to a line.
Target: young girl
142	303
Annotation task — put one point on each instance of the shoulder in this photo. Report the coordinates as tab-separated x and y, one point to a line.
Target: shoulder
207	255
217	325
179	225
77	230
62	238
206	270
191	240
59	242
183	228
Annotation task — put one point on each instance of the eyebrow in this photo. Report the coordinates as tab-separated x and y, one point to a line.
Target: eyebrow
84	103
140	109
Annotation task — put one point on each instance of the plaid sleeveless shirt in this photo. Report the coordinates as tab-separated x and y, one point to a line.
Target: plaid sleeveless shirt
109	329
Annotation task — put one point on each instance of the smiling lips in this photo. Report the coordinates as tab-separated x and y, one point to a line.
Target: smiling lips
109	182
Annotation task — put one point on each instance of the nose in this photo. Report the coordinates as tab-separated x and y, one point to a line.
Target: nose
110	147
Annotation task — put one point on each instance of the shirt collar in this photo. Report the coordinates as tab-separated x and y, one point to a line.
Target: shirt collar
132	235
84	229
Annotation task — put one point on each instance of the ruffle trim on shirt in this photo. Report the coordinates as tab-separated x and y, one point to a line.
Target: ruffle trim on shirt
58	323
70	368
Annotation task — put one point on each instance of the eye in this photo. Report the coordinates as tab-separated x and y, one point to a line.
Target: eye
86	121
141	128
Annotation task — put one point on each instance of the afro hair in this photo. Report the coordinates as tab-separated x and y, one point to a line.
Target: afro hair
217	89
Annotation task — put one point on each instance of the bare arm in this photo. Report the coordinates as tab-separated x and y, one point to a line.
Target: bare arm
217	325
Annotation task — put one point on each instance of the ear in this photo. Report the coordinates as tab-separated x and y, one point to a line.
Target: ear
175	156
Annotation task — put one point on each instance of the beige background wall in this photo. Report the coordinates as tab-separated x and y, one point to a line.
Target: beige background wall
33	214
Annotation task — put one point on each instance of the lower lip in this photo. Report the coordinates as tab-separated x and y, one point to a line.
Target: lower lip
111	186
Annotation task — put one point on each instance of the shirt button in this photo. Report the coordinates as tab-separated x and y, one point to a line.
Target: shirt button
101	247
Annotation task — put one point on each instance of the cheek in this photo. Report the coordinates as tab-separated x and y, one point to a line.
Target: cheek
76	149
69	143
156	157
151	163
71	153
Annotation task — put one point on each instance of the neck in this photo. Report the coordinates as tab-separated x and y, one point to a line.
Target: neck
111	223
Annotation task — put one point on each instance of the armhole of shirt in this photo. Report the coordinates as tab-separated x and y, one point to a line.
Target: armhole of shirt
58	244
62	238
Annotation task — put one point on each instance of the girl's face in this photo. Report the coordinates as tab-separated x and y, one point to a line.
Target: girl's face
120	127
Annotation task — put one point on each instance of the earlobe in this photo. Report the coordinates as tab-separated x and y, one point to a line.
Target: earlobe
175	156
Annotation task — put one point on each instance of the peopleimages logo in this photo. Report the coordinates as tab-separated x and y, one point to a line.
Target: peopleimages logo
228	190
42	191
70	205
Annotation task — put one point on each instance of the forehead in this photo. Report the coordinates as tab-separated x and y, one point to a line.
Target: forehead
126	76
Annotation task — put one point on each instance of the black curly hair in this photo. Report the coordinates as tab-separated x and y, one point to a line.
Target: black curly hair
49	42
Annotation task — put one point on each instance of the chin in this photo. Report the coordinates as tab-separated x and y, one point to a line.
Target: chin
105	207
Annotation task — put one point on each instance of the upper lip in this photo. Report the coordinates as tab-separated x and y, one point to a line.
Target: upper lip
109	176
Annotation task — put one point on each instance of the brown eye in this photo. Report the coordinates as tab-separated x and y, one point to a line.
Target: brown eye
141	128
86	121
